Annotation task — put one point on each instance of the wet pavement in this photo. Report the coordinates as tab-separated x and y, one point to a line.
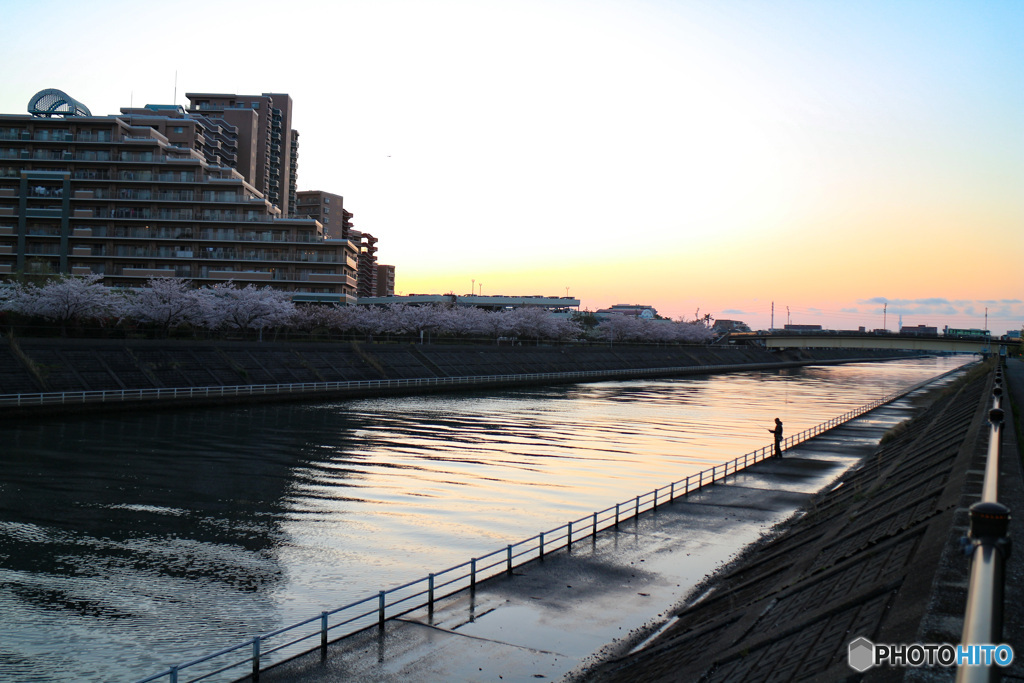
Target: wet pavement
555	617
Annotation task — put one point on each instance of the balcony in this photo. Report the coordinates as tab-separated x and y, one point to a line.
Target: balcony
148	272
239	275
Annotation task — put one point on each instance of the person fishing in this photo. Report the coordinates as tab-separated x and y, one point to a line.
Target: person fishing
778	437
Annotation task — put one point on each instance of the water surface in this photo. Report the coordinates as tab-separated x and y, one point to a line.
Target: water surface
129	543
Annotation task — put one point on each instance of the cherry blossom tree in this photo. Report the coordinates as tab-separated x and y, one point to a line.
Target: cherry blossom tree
66	299
245	308
465	321
618	328
167	302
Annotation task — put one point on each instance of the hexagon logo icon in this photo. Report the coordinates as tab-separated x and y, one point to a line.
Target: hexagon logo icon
861	654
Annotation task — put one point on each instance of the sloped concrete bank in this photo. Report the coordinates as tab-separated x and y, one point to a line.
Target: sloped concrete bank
47	366
877	556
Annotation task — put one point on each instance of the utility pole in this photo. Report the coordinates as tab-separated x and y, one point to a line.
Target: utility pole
789	320
772	327
885	313
986	318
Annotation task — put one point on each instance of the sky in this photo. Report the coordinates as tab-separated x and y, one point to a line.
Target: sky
848	162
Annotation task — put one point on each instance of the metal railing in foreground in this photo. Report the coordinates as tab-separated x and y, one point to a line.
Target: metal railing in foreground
988	544
258	652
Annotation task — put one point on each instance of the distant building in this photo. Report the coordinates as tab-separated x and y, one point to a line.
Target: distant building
722	326
385	280
366	247
493	303
328	208
920	331
268	148
634	310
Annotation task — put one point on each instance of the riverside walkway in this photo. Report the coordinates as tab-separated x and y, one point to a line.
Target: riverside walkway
577	615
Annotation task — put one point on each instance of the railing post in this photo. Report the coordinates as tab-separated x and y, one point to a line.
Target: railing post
671	492
595	527
655	499
542	545
323	633
174	674
509	560
636	512
256	658
472	573
380	610
569	537
430	592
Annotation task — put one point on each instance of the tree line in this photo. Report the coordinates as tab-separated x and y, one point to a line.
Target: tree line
169	305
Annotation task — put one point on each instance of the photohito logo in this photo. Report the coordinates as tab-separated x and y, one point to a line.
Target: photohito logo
863	654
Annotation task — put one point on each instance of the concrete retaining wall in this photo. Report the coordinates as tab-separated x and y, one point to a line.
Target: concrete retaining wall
48	365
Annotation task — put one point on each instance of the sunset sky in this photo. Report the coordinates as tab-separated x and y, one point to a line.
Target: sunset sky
835	157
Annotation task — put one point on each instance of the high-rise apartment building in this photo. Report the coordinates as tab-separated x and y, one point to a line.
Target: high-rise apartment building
328	208
268	147
385	280
366	248
153	192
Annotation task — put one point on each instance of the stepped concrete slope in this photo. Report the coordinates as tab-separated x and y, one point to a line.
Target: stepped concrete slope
43	376
864	552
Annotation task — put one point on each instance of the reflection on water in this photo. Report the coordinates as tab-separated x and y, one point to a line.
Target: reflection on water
131	543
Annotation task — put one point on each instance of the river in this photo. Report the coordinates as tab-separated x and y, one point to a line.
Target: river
129	543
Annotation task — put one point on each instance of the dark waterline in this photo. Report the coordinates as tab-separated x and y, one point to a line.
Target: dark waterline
130	543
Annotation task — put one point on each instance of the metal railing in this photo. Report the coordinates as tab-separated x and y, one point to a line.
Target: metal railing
374	610
177	393
988	544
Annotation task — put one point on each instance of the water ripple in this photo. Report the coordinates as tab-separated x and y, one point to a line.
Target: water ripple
145	539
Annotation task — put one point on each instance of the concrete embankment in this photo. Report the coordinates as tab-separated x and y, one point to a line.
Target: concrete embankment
48	366
877	557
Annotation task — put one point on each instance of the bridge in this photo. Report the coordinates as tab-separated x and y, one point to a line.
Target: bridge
868	340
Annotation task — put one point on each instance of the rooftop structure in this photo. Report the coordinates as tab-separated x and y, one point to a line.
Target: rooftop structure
53	102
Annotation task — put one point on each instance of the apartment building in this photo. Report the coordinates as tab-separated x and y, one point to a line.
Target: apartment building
269	148
328	208
366	248
152	192
385	280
